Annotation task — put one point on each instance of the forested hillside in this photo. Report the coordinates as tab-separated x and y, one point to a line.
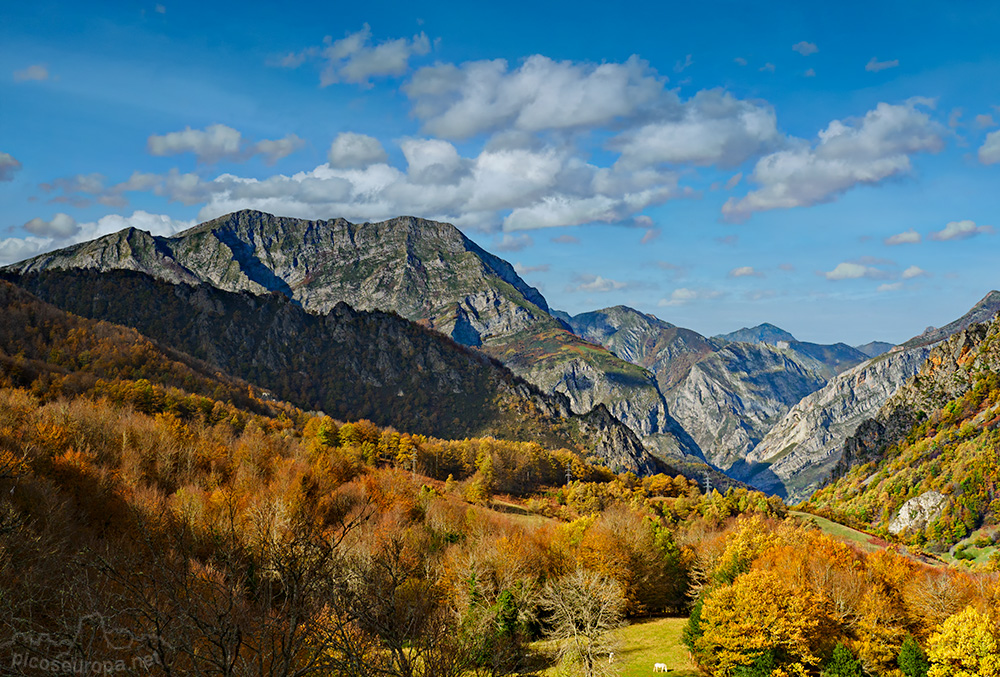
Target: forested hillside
928	466
349	364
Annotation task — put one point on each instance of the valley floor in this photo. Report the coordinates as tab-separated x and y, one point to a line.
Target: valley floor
644	643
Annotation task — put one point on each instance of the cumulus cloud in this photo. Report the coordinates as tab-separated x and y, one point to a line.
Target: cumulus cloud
595	283
683	295
767	68
512	243
62	230
541	94
805	48
960	230
745	271
356	60
914	271
220	142
565	239
61	226
713	128
989	152
890	286
847	153
9	166
516	189
36	71
854	270
906	237
276	149
355	151
209	145
874	66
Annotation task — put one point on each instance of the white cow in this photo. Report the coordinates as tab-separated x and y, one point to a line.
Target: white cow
659	667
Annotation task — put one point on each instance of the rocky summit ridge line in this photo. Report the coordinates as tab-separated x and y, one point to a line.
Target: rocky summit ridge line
425	271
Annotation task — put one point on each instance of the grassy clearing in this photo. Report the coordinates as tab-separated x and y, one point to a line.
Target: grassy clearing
641	645
861	539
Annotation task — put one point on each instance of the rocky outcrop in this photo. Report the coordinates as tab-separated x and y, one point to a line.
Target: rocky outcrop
731	398
947	373
425	271
798	453
918	512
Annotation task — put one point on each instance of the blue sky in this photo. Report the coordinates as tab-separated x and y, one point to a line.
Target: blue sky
830	169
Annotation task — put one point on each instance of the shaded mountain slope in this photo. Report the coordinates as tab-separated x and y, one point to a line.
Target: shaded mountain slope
425	271
351	364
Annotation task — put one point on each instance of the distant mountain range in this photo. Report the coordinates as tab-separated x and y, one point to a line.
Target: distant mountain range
755	403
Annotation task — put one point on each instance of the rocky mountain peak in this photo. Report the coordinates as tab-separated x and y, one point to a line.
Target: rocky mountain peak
762	333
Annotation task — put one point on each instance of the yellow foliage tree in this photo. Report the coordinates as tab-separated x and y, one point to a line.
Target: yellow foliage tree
965	646
763	613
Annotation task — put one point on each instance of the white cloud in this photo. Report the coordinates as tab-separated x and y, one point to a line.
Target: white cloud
989	152
856	152
874	66
276	149
355	151
767	68
566	239
541	94
63	231
355	60
522	269
810	73
890	286
984	121
907	237
914	271
851	270
805	48
650	235
683	295
595	283
960	230
9	166
518	189
36	71
713	128
745	271
61	226
221	142
512	243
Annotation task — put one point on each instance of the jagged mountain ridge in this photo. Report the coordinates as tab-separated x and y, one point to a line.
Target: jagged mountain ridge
798	453
425	271
983	311
352	364
726	395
